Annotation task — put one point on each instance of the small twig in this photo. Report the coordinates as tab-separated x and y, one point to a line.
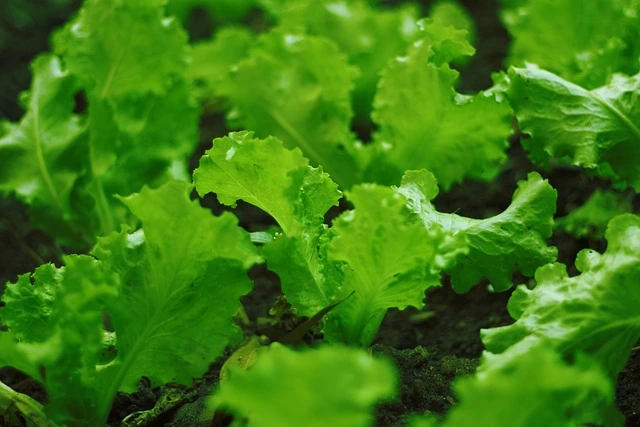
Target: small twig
635	348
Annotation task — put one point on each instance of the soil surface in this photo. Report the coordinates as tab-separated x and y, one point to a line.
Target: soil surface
431	347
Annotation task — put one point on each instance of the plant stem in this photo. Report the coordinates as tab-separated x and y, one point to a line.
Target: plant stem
20	406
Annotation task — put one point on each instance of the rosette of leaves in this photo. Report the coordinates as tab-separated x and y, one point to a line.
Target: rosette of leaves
156	302
108	112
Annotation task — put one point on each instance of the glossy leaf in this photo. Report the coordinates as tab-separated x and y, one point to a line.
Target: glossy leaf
560	312
594	129
424	123
512	240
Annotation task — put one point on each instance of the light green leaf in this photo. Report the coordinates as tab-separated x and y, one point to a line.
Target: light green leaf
451	14
424	123
64	355
120	47
596	312
183	274
534	389
212	60
295	195
512	240
595	129
42	157
382	34
591	219
241	167
389	259
29	304
289	389
583	42
296	88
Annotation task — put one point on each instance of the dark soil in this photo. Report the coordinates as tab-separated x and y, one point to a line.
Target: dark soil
431	347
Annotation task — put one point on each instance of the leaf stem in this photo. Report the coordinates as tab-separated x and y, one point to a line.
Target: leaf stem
107	223
23	406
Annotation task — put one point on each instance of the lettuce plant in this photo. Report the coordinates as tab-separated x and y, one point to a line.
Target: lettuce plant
348	121
65	159
155	284
389	249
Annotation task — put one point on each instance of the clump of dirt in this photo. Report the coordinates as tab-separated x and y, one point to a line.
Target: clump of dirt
425	383
628	390
450	323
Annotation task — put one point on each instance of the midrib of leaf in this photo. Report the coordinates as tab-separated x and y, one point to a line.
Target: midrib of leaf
619	114
42	164
113	70
104	211
147	334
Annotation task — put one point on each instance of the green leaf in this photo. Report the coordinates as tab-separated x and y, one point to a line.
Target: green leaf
42	157
424	123
581	42
389	259
297	196
119	47
241	167
152	141
596	312
512	240
451	14
29	304
289	389
595	129
139	127
296	88
183	274
170	291
64	356
591	219
382	35
212	60
534	389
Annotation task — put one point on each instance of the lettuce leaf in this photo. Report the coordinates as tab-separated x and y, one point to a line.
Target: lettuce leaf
42	157
110	112
382	35
65	355
288	388
388	258
296	88
424	123
534	389
512	240
583	42
168	292
594	129
591	219
596	312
